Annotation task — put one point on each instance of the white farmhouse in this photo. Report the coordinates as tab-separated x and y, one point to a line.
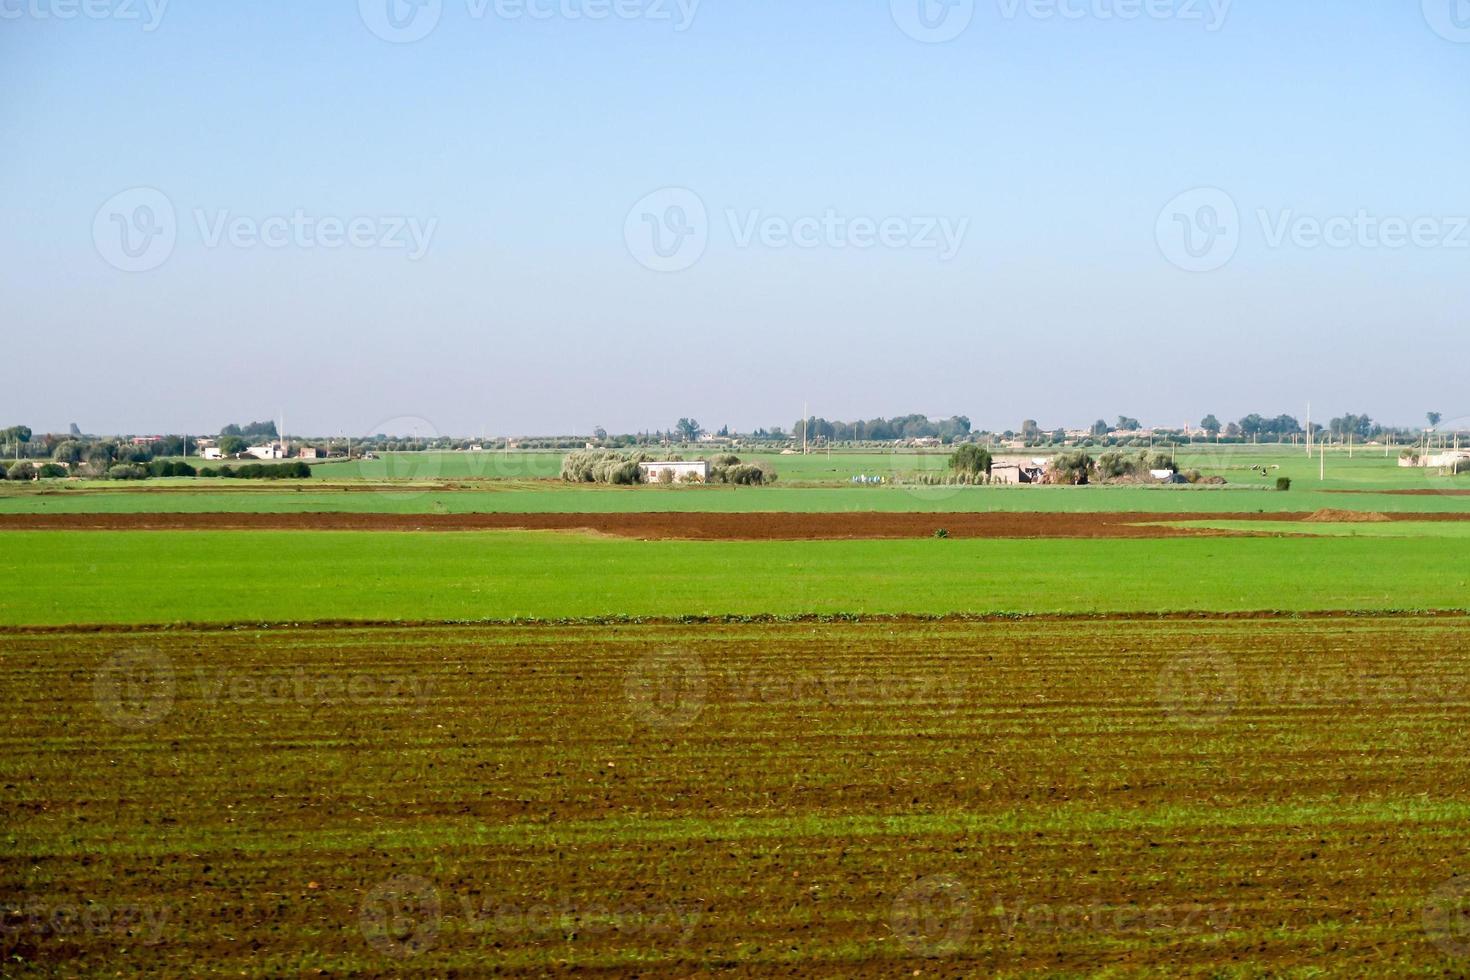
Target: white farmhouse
272	450
680	471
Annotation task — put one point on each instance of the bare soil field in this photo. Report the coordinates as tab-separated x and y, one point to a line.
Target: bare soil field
847	799
705	526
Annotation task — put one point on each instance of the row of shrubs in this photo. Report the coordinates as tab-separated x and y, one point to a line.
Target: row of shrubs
160	468
25	470
1077	467
295	470
608	466
961	479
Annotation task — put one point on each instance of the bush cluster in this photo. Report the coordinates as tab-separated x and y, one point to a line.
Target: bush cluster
1114	465
1073	468
297	470
729	469
162	467
602	466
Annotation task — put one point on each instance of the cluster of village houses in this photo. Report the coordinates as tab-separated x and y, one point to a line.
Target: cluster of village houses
209	449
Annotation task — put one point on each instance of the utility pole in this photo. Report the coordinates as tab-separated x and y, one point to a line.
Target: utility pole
1309	430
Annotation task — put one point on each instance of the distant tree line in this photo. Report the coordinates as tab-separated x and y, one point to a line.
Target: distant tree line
952	429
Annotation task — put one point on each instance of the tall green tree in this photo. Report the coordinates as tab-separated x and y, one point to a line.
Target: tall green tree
970	459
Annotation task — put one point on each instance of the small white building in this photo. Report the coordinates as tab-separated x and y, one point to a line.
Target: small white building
212	452
1446	459
681	471
1017	470
271	450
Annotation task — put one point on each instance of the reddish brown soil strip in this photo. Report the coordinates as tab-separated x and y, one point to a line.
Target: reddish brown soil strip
1331	516
695	527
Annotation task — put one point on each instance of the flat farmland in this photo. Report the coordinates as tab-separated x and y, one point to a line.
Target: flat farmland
1205	797
273	576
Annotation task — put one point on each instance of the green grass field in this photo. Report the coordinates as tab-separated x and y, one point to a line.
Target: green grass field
55	577
1367	468
1125	793
525	483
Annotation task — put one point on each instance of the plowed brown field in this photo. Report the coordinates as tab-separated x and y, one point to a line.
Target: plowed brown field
691	526
859	799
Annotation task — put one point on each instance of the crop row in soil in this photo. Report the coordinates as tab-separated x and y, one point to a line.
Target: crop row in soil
841	798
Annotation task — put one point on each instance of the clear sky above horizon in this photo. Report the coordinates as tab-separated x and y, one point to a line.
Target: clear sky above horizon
532	216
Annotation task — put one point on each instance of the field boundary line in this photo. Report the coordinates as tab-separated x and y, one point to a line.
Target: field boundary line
763	619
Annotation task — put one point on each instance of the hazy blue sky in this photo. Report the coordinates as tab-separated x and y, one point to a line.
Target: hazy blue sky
891	222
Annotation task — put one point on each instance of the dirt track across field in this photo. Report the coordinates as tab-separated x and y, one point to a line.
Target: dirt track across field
682	526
